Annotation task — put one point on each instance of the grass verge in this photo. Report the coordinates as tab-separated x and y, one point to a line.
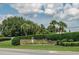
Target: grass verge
7	44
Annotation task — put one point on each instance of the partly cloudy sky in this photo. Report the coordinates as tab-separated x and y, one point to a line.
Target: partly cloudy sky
44	13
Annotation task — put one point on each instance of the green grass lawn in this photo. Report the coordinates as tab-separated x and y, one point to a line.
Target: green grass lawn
7	44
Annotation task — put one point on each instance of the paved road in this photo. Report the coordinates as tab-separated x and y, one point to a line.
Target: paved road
9	51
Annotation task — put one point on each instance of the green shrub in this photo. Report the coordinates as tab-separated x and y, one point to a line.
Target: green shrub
70	40
58	42
69	44
4	38
71	36
64	40
16	40
40	36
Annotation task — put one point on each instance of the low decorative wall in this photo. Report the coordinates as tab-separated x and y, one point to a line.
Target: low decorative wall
34	41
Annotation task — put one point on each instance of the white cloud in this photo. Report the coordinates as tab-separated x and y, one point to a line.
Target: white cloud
76	5
50	6
22	8
72	11
49	11
26	8
57	10
67	6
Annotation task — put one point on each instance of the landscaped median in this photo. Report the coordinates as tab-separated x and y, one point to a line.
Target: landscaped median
50	47
58	42
66	37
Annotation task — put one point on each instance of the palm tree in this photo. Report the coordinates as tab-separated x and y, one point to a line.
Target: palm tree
62	25
52	26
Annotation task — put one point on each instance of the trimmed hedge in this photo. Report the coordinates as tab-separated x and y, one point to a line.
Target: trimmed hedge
69	44
71	36
5	38
1	35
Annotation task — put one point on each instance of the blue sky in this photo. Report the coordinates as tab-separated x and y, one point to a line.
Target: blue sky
44	13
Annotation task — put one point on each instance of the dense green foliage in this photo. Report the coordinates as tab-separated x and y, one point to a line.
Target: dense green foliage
11	26
55	26
16	40
18	26
67	36
42	30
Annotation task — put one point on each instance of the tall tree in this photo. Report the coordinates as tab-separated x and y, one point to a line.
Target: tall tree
62	26
11	26
52	26
18	26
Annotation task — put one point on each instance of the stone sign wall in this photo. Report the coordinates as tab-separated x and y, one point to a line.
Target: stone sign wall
33	41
